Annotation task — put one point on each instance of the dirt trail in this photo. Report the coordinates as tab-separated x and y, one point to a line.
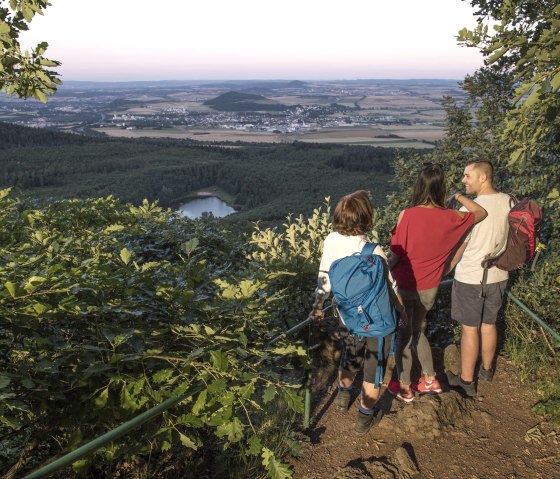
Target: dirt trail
443	436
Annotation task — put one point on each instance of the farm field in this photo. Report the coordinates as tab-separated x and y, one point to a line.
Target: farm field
399	113
408	138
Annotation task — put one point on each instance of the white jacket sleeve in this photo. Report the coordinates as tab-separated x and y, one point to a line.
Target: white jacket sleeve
323	283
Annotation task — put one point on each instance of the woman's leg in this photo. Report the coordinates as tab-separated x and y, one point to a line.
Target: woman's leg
403	353
351	359
345	378
350	364
370	394
368	415
423	304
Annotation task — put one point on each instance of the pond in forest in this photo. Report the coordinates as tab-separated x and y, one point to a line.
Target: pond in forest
209	204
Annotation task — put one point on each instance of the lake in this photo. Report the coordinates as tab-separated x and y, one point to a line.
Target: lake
209	204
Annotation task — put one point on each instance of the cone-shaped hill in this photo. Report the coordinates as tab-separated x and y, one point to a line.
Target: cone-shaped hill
236	101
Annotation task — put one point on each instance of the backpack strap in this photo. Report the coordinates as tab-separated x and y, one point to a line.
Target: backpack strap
368	249
484	281
512	200
380	371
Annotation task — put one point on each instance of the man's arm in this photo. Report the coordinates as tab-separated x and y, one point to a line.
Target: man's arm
454	258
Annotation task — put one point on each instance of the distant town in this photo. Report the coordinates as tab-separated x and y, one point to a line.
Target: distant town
388	112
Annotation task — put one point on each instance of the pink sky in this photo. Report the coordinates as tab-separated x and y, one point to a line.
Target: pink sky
122	40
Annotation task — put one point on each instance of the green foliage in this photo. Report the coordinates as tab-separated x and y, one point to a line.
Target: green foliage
525	41
291	255
266	182
521	140
24	73
276	469
110	309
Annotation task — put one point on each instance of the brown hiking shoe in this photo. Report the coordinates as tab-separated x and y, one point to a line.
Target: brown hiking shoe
343	399
457	383
485	374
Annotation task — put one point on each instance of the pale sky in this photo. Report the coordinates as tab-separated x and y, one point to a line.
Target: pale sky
121	40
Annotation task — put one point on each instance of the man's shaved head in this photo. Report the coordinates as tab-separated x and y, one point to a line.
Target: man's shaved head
484	167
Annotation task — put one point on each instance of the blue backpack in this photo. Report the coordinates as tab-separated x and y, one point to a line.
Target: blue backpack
362	297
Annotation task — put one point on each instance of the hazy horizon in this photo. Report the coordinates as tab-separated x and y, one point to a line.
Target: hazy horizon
268	80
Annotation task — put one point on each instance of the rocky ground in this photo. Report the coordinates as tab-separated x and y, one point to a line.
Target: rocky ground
442	436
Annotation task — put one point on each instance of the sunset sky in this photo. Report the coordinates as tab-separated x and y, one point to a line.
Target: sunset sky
120	40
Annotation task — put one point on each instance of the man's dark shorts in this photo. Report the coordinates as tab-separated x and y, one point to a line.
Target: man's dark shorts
357	353
470	308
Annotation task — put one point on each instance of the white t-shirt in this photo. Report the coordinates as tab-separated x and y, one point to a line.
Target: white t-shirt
487	238
338	246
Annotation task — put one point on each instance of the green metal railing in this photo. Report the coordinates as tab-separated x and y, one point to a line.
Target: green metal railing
523	307
92	446
135	422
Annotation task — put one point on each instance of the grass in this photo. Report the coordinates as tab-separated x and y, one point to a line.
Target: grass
537	359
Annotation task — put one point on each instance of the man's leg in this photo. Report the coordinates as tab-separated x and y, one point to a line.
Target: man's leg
489	340
488	331
469	351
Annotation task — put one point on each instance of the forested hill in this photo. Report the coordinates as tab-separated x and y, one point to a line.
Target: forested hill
236	101
14	136
263	182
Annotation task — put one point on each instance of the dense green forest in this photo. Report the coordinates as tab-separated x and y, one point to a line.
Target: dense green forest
267	182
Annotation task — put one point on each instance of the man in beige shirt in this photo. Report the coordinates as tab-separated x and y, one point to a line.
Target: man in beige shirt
476	307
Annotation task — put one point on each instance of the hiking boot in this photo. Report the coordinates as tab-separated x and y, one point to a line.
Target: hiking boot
427	387
343	399
457	382
364	422
395	389
485	374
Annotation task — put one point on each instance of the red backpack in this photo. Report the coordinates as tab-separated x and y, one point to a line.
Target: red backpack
525	220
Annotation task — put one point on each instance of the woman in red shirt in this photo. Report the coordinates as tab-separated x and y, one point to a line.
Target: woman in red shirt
421	242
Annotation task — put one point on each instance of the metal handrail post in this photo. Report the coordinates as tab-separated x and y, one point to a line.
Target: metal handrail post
307	403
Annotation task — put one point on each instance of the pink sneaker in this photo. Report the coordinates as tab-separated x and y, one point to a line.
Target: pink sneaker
428	387
394	387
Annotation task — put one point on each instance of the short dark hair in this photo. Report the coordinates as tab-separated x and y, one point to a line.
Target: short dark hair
353	214
430	186
485	166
